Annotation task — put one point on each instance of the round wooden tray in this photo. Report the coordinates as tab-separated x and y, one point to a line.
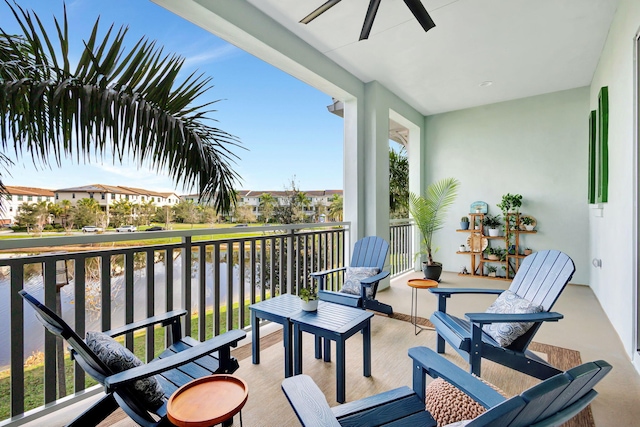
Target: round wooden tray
422	283
207	401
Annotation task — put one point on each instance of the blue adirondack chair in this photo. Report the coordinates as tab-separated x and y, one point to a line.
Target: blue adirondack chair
367	252
186	359
540	279
549	403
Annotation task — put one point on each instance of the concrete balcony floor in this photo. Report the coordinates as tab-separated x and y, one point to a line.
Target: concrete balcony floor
585	328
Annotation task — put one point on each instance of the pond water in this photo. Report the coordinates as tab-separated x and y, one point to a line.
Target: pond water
34	331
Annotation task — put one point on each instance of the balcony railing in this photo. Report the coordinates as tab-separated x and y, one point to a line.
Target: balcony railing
100	288
401	246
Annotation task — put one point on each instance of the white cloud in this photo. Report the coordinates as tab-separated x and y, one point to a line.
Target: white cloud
211	55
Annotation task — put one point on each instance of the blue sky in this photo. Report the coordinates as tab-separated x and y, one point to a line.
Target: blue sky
283	123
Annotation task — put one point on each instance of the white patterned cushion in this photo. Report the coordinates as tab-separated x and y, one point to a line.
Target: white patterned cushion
510	303
459	423
118	359
353	276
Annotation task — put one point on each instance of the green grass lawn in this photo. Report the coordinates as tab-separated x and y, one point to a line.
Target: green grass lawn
34	375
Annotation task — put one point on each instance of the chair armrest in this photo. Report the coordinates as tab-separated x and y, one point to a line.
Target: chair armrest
216	343
427	361
373	279
308	402
447	292
484	318
165	319
318	274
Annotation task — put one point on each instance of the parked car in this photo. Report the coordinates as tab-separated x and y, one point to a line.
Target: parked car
126	229
155	228
92	229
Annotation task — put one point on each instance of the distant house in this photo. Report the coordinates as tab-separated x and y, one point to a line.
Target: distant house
106	195
16	196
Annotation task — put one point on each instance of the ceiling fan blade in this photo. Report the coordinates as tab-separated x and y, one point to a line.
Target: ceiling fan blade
319	11
421	14
368	19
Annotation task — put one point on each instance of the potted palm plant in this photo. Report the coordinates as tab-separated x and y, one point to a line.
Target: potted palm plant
428	212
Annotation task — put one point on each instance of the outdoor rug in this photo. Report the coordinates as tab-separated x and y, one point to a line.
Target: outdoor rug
267	405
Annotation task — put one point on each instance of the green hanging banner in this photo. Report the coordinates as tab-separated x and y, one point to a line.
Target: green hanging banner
599	150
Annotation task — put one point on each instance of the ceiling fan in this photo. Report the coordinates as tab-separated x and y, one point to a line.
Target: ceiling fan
415	6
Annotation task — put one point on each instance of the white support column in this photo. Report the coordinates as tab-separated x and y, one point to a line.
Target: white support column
353	200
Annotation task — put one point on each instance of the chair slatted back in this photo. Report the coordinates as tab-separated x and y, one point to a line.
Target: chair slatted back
85	357
566	393
542	276
370	251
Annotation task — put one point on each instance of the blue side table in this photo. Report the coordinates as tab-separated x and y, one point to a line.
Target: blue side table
333	322
279	310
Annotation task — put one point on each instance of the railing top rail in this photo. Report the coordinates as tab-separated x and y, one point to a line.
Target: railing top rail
401	221
38	242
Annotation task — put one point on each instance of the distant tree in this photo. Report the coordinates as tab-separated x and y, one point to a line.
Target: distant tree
208	214
145	211
335	208
293	209
33	216
121	212
55	210
267	206
58	103
65	206
88	212
244	214
186	212
398	184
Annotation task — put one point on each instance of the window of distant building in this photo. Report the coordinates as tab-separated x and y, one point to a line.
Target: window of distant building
73	195
29	198
39	198
102	196
19	198
91	195
126	197
57	196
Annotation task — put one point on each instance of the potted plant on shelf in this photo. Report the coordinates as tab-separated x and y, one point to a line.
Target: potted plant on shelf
428	212
494	254
510	203
491	271
492	222
464	223
527	251
308	299
528	223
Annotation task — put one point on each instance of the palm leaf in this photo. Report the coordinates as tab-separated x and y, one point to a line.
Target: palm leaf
429	211
128	103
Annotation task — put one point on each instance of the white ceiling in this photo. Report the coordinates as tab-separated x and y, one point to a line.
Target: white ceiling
525	47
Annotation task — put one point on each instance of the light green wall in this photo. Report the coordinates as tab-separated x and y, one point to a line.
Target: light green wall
536	147
613	238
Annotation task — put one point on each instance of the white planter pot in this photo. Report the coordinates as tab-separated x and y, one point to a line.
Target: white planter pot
494	232
309	305
529	227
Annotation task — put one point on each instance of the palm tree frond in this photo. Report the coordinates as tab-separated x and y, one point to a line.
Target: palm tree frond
123	102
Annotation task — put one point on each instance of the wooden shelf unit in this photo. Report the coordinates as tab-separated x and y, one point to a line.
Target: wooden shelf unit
512	261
